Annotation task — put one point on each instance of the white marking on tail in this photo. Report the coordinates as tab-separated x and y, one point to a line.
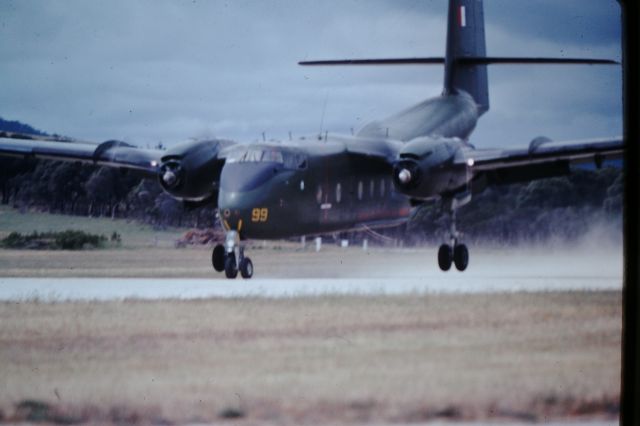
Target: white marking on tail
462	16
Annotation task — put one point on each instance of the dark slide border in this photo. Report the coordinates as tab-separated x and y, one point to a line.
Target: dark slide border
630	395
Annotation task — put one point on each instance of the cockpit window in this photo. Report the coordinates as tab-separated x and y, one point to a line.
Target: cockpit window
259	155
290	160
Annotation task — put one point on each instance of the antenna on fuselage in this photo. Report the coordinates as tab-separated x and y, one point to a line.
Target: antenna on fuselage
324	109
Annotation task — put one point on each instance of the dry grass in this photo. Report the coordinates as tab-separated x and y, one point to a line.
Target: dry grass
149	253
320	359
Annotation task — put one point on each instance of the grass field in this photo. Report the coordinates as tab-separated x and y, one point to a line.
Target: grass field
316	360
134	234
146	252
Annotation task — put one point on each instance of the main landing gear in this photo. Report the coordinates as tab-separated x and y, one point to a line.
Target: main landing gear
230	257
454	252
457	254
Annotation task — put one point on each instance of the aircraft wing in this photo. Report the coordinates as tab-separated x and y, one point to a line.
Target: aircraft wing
110	153
542	158
385	150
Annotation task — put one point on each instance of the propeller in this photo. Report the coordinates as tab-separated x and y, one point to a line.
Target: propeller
191	171
406	174
171	174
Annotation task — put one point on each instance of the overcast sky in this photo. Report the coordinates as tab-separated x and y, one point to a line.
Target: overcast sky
151	71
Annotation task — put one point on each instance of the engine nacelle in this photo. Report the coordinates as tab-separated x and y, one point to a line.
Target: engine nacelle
191	171
425	168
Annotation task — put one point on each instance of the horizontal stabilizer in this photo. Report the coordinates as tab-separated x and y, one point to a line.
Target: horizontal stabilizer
496	60
390	61
524	61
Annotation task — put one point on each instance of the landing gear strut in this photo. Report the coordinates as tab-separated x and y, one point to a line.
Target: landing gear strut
454	252
230	257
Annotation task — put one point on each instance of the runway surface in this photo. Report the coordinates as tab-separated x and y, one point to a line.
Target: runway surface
151	288
397	272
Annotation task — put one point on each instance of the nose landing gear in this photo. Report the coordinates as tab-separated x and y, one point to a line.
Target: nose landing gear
230	257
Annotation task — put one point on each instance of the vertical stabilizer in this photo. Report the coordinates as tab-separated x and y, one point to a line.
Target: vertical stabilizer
465	63
465	39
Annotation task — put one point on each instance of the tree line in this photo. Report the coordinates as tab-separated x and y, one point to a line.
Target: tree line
561	208
87	190
556	208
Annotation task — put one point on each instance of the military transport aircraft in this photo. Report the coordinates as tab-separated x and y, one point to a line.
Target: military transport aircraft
336	183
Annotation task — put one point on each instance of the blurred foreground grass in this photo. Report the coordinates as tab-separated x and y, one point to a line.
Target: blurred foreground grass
317	360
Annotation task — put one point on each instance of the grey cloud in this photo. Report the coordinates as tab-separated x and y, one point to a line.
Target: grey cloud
146	71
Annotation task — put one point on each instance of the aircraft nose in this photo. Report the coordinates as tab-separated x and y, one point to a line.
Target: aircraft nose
243	200
235	208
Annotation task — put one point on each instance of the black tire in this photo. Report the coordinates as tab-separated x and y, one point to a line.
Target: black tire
461	257
246	268
445	257
217	258
230	269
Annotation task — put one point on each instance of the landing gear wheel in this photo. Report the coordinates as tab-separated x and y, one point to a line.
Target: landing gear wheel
217	258
230	269
246	268
445	257
461	257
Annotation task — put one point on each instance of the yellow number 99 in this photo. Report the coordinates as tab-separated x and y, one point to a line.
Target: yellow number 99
259	215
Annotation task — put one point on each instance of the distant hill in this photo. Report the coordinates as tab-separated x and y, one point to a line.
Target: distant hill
18	127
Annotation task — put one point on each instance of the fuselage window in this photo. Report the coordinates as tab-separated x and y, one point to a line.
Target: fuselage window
360	190
372	188
338	193
381	187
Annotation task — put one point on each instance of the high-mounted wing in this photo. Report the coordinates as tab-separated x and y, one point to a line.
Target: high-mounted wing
542	158
189	172
111	153
384	150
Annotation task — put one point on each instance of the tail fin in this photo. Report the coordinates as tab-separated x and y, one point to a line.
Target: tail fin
466	57
465	39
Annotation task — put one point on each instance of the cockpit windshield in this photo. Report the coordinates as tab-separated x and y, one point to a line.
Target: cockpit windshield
261	155
290	160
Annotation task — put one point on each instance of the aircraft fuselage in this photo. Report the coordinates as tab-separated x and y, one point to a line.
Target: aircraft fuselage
324	189
449	116
315	186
